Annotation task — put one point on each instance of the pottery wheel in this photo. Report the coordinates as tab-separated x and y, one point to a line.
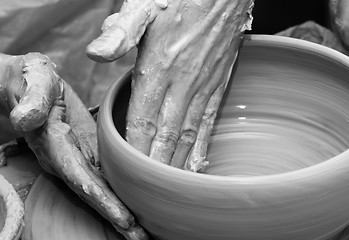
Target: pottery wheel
53	211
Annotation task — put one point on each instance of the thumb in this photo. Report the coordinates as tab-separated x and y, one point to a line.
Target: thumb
42	87
122	31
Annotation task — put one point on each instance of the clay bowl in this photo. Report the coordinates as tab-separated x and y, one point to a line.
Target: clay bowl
11	212
279	159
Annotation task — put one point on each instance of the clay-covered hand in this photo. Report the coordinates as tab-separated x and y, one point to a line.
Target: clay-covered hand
186	50
339	14
61	132
27	93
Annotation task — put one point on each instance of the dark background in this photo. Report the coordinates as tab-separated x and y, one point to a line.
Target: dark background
272	16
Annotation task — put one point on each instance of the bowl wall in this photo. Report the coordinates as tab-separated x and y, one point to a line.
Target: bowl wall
281	135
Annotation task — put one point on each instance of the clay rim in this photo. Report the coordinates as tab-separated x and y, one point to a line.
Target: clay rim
14	221
249	40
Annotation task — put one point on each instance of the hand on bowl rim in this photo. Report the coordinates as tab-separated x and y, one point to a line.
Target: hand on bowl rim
185	58
61	132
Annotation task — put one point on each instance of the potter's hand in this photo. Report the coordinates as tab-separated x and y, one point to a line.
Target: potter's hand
28	89
339	13
186	52
61	132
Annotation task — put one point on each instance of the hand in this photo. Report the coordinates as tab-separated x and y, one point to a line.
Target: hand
28	88
61	132
186	52
339	14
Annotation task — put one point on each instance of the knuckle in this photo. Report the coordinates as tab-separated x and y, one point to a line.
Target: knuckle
168	138
188	137
36	58
143	125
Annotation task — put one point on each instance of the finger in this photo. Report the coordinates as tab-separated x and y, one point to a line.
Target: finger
197	157
42	87
208	80
196	160
83	125
122	31
189	129
146	98
221	72
193	118
169	122
57	150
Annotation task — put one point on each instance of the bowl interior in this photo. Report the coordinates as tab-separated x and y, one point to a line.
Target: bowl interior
285	109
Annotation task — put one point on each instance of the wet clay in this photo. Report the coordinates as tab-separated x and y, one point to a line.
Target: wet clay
282	137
